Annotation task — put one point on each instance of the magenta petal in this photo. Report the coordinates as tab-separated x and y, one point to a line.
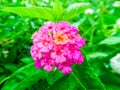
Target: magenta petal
48	68
66	70
80	60
37	64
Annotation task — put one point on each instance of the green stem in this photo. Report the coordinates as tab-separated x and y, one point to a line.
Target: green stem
4	80
91	37
78	81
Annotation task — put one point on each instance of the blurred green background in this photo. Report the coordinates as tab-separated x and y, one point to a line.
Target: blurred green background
98	22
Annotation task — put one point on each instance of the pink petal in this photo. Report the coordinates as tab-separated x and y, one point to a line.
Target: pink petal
66	70
48	68
80	60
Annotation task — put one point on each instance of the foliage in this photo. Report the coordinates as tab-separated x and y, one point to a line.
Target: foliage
19	19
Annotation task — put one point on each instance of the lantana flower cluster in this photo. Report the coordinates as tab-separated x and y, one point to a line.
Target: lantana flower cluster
57	45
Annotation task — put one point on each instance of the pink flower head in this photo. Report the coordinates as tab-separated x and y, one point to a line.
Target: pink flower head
57	45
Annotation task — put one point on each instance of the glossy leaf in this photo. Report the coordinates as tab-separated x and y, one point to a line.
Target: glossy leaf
112	87
75	9
33	12
111	40
4	33
99	58
95	52
27	60
78	79
67	82
54	76
11	55
58	9
112	79
24	78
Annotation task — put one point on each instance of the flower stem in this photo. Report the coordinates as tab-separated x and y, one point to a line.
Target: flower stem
78	81
4	80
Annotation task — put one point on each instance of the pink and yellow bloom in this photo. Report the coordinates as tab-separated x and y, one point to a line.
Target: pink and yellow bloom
57	45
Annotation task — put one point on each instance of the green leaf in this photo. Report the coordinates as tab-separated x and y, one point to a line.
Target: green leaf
75	9
85	73
99	58
42	85
11	67
112	79
111	40
78	79
27	60
68	82
4	33
99	55
98	52
112	87
58	9
11	55
54	76
33	12
24	78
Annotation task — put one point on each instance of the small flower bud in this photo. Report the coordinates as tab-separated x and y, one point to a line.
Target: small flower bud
115	63
117	25
116	4
89	11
